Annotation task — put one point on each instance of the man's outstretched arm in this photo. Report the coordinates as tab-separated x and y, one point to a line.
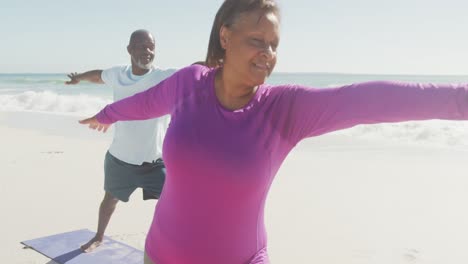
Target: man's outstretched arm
93	76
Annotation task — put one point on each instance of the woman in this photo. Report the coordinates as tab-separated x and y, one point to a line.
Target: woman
230	133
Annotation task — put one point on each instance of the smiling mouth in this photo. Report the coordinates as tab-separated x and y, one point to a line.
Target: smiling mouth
263	67
147	59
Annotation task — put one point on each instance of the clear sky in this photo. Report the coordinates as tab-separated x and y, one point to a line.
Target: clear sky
351	36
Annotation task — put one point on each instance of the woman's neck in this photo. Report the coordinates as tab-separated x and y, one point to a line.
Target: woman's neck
232	93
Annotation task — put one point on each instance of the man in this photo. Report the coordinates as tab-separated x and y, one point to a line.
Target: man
134	157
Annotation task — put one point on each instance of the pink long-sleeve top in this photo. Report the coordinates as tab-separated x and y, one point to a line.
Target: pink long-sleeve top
220	163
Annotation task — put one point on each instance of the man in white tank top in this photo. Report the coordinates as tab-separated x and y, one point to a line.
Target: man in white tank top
134	157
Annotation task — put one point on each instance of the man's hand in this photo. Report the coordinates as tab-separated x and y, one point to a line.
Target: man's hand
74	78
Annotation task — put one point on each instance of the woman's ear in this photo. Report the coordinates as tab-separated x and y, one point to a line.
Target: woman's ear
224	37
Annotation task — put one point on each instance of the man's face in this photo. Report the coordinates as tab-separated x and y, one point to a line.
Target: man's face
141	50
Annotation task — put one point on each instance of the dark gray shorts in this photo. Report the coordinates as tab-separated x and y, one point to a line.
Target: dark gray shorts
121	179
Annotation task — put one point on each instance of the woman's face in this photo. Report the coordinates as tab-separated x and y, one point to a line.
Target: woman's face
250	46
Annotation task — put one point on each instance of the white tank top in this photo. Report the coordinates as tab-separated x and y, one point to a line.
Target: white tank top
136	142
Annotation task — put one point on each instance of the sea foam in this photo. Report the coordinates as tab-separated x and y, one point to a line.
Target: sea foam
47	101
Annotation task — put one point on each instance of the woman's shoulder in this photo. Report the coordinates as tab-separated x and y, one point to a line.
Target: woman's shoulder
270	90
193	80
195	71
291	89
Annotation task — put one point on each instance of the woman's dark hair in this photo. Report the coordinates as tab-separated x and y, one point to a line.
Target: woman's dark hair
227	15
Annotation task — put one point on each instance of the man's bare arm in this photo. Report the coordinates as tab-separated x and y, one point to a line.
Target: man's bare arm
93	76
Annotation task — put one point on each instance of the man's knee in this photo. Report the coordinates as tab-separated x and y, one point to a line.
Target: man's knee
110	199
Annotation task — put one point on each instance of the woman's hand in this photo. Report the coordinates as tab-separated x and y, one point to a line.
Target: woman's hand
93	123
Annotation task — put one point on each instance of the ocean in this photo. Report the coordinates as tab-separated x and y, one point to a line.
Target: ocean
47	93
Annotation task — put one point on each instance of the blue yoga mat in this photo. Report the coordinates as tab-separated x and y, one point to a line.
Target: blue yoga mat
65	248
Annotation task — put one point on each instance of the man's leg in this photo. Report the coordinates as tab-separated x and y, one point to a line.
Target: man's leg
106	210
153	180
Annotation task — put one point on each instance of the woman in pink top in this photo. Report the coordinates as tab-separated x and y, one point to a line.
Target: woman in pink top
230	132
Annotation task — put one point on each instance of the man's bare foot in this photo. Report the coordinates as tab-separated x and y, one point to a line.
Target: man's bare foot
91	245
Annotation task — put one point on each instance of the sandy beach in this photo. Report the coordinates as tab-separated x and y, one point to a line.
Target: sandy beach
337	199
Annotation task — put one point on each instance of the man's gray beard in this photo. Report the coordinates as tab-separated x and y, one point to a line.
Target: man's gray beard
145	66
142	66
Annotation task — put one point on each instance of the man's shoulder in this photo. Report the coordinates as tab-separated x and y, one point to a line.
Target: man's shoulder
118	69
158	74
162	71
111	75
